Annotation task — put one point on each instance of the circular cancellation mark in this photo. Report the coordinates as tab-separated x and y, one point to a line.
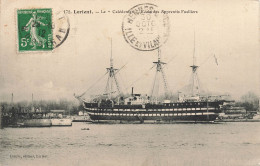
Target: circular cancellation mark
144	28
61	28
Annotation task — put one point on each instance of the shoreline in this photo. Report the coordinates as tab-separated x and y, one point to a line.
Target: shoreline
238	120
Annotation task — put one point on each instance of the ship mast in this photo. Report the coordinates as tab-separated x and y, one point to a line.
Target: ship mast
159	70
32	104
111	78
195	87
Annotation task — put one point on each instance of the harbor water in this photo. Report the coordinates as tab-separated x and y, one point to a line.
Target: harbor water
225	144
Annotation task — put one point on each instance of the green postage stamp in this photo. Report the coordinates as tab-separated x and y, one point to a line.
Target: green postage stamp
34	30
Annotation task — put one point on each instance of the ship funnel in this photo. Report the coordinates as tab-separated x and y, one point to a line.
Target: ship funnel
132	91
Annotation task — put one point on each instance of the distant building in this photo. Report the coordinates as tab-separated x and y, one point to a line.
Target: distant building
56	113
82	113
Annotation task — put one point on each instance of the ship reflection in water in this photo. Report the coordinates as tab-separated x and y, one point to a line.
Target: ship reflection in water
225	144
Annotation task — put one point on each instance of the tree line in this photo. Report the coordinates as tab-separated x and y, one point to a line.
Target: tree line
72	107
250	101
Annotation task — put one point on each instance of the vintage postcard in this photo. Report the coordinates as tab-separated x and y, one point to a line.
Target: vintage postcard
129	83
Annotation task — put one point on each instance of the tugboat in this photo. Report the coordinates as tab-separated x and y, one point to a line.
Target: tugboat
142	108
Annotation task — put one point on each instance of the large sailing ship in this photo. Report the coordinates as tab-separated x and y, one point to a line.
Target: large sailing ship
143	108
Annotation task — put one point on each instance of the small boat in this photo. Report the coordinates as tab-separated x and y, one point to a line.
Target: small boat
58	118
36	123
81	119
61	122
85	129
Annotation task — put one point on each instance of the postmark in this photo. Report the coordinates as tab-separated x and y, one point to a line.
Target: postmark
34	30
144	28
61	28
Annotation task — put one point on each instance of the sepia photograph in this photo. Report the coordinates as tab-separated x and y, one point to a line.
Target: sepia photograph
129	83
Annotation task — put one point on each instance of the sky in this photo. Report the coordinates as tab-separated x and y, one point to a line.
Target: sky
225	31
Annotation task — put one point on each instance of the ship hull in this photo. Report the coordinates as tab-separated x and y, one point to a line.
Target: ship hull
156	119
169	113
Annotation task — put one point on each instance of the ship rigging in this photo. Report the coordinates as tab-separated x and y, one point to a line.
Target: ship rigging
159	71
195	84
111	79
140	108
